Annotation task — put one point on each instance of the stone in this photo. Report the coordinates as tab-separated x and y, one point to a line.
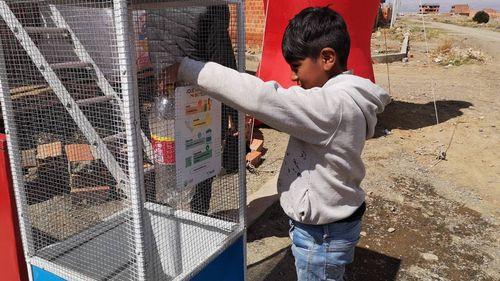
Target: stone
429	257
391	229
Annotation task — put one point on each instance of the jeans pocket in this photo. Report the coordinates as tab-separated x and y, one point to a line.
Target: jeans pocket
303	238
342	242
342	246
341	252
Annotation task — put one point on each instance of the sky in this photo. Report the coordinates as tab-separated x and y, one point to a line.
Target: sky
412	5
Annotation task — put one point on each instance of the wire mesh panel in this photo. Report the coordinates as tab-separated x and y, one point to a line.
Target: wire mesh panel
119	173
195	196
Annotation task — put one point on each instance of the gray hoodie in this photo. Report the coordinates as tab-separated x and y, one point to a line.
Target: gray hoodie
320	177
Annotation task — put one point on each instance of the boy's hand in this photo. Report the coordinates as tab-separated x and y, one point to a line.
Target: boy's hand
168	77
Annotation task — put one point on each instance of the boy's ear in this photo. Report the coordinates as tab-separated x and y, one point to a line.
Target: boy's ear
328	57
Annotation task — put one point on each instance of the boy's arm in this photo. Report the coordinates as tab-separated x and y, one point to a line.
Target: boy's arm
304	114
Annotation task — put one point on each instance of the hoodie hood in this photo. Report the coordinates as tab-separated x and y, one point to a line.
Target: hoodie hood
369	97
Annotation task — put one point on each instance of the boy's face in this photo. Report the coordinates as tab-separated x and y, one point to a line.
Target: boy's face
308	73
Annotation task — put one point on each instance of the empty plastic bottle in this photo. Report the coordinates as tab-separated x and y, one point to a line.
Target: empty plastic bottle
162	126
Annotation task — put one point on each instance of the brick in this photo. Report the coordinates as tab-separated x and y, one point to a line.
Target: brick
47	150
257	145
78	152
90	195
29	158
254	158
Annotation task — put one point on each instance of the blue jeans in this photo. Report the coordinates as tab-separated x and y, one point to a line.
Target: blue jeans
322	251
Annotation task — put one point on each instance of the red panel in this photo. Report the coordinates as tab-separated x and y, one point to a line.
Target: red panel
358	14
12	265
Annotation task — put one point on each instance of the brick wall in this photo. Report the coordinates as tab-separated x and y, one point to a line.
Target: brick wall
254	23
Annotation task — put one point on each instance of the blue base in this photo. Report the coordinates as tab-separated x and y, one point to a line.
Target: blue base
42	275
228	266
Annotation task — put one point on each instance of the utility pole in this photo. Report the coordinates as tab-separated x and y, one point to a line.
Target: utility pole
395	11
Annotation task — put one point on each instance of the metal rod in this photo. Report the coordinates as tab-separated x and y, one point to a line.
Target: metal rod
129	90
242	136
62	93
15	159
241	119
102	82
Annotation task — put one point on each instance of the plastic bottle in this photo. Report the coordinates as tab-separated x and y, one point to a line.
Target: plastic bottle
162	126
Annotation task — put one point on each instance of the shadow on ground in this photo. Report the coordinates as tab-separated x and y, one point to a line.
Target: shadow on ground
409	116
279	266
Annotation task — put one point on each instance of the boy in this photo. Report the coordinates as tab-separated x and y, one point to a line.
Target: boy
328	117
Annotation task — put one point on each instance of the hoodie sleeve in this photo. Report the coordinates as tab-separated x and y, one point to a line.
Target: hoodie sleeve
369	98
309	115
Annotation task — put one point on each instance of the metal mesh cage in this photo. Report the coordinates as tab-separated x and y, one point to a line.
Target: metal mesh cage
93	125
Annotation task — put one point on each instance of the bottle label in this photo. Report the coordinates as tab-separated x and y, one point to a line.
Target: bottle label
163	149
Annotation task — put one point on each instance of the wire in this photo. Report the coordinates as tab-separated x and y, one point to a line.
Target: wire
387	64
428	63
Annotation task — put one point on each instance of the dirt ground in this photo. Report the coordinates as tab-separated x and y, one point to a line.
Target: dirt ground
432	184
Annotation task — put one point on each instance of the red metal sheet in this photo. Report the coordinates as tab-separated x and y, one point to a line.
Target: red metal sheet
12	264
358	14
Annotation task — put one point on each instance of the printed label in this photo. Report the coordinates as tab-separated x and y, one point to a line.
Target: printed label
163	149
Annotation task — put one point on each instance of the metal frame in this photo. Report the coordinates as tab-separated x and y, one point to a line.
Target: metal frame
102	82
15	162
240	7
62	93
128	80
155	4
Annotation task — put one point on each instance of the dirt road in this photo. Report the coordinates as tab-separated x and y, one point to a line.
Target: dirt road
427	218
487	39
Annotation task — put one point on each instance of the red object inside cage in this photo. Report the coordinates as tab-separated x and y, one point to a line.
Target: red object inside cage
12	264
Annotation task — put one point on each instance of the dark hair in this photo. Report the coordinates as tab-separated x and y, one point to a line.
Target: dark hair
313	29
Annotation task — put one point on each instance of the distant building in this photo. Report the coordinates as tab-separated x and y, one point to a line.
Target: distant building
460	9
490	11
429	9
493	13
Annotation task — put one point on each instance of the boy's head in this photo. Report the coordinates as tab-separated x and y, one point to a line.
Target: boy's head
316	45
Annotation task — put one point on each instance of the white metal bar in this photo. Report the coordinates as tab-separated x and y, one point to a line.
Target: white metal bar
62	93
114	137
69	64
102	82
88	101
176	214
233	237
155	4
46	30
63	272
242	141
15	160
129	90
241	120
